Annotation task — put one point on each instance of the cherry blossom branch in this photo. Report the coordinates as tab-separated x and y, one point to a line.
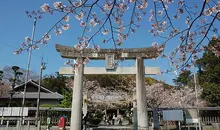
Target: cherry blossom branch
201	12
165	9
200	41
155	11
132	16
108	18
114	22
87	18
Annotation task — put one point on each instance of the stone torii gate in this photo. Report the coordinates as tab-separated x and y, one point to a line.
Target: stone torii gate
138	54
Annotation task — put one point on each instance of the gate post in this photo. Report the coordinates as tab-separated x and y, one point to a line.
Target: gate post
141	95
76	111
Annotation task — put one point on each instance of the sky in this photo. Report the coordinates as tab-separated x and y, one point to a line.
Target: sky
15	26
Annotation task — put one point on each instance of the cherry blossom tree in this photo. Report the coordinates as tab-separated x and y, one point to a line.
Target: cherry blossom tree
157	95
3	88
184	97
188	22
107	96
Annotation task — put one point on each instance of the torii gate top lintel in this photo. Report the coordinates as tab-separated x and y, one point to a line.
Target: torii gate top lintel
127	53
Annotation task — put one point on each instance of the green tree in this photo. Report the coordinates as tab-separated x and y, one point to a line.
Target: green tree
184	79
67	100
55	82
209	75
60	84
211	93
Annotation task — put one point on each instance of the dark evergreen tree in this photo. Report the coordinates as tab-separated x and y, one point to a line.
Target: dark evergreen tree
184	79
209	75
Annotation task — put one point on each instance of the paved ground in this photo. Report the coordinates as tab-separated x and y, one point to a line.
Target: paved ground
56	128
112	128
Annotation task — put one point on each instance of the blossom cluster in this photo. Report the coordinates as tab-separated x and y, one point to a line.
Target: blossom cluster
159	96
191	37
76	64
109	18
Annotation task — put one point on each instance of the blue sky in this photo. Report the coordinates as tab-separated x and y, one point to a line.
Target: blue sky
15	26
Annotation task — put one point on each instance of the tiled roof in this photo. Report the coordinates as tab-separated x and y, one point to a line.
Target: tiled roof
35	84
34	95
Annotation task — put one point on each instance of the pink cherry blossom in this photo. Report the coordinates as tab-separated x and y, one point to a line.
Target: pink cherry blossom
79	16
187	21
58	5
176	16
164	23
96	48
66	19
85	45
82	24
77	3
27	39
92	22
47	36
107	6
16	52
208	12
58	32
78	47
180	11
121	28
132	1
113	17
151	18
66	27
105	32
45	7
35	47
155	45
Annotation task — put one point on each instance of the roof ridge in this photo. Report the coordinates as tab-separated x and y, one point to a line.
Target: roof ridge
42	87
35	84
22	83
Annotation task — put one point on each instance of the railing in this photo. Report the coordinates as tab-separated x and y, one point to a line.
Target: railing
208	116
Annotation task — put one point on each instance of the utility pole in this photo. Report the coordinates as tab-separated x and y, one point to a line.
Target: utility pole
42	67
27	73
1	85
1	74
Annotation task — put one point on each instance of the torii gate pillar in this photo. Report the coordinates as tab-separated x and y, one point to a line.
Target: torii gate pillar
136	53
142	114
77	97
